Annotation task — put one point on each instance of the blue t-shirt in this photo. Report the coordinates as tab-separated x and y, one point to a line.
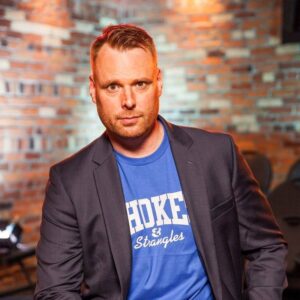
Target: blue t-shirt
165	261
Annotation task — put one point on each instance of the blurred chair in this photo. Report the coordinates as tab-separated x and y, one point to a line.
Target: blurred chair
285	202
261	168
21	297
294	172
16	256
12	252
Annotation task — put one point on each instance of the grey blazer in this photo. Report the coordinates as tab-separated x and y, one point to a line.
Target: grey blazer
84	250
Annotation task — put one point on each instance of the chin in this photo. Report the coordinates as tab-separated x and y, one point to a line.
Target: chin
131	132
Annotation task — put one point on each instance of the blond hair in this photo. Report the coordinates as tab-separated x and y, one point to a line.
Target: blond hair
123	37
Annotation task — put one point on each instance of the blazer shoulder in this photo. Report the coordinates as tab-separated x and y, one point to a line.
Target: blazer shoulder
194	136
211	145
208	136
78	159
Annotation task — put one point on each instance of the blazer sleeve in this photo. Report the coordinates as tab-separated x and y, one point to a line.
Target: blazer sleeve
261	241
59	251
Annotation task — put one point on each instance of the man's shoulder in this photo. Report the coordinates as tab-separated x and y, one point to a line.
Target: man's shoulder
213	148
205	135
80	159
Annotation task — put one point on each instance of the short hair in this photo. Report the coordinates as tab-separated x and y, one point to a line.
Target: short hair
123	37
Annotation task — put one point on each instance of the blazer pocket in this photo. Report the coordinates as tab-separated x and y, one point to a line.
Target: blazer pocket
221	209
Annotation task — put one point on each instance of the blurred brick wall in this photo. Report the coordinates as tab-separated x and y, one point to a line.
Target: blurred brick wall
224	68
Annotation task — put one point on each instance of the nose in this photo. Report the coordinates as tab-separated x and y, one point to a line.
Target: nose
128	98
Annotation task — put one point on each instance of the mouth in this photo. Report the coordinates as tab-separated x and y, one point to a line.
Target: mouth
128	120
128	117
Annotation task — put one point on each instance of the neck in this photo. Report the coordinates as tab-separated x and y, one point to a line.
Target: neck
139	146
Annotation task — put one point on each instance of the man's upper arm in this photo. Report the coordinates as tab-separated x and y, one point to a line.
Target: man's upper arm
59	251
261	240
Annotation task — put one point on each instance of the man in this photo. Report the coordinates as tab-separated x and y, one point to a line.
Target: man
151	210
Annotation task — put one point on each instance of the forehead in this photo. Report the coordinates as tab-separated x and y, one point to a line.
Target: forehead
130	62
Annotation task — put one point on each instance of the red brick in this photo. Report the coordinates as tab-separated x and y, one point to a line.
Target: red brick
14	34
64	111
8	2
211	61
266	51
244	14
289	65
239	86
234	6
216	53
242	69
4	23
32	155
200	18
4	53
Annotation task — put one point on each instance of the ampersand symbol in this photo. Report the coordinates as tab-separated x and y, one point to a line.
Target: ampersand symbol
156	232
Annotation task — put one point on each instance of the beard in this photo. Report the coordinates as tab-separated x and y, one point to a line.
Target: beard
131	124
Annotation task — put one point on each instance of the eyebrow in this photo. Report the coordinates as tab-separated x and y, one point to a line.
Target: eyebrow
109	82
147	80
117	82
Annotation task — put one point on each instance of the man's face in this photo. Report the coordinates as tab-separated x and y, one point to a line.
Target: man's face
126	86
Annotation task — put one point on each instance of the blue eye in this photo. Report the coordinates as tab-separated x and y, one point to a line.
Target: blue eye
141	84
113	88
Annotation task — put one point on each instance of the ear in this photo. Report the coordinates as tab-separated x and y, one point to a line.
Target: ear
92	88
159	81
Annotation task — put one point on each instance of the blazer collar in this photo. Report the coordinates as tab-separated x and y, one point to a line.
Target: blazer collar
177	136
112	203
103	149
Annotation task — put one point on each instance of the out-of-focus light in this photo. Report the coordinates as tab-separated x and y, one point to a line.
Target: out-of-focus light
6	232
10	234
196	6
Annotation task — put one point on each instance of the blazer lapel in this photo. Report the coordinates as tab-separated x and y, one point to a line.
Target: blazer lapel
112	202
194	191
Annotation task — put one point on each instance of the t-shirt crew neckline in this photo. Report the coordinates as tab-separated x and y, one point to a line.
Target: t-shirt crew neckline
146	159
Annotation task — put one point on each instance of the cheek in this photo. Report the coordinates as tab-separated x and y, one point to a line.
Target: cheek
150	106
106	105
150	100
104	113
